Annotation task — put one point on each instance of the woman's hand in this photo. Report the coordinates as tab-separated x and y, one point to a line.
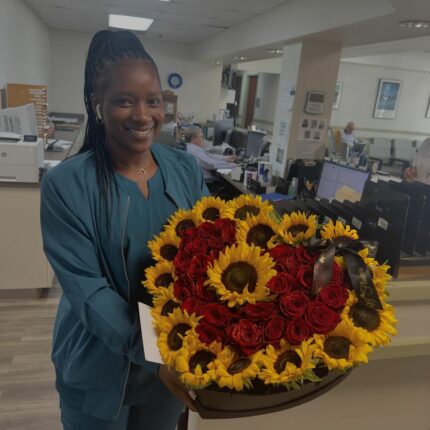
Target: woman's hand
409	174
171	381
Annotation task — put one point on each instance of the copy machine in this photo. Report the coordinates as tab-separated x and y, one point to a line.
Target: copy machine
20	161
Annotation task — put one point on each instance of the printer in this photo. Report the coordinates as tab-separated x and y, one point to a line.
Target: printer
20	161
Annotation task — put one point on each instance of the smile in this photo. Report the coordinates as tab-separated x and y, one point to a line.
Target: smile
141	133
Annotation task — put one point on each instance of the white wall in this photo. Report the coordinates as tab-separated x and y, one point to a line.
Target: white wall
199	93
360	86
266	97
24	45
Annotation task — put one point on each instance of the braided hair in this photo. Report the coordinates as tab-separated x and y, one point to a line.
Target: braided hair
106	47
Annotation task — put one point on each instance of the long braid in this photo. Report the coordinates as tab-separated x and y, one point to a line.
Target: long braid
106	48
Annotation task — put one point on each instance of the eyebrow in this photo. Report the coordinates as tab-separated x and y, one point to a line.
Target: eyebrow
151	94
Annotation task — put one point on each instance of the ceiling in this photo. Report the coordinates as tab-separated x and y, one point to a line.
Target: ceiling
193	21
182	21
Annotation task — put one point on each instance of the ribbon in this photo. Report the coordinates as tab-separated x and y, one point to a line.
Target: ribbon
359	274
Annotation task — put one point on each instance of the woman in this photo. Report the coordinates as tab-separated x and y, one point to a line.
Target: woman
98	211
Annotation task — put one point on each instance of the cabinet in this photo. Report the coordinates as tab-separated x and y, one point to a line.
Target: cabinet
170	106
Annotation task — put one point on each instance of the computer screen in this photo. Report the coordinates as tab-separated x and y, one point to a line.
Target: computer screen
220	129
254	143
341	182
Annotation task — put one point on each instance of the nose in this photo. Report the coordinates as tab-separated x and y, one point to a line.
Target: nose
141	112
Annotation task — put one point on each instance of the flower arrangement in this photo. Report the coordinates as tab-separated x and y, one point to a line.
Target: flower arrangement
244	298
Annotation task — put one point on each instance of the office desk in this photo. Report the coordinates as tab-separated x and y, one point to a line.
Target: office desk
23	265
235	184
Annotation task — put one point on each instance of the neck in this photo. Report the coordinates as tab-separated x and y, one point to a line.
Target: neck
131	161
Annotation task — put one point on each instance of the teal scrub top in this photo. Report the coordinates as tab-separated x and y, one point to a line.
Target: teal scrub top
146	218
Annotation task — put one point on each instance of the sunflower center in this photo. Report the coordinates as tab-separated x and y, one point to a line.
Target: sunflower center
365	317
184	225
174	338
259	235
287	357
239	365
164	280
296	229
169	307
168	251
210	214
203	358
238	276
337	346
242	212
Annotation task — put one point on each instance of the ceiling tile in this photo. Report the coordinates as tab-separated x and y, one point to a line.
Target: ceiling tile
83	5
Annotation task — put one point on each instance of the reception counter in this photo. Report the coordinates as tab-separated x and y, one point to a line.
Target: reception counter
23	266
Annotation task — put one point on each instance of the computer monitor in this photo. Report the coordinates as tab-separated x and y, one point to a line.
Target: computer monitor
254	144
238	138
341	182
220	129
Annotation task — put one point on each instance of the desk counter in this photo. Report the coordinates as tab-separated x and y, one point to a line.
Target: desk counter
23	265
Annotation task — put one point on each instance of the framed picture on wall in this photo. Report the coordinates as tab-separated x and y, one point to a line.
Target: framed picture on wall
387	99
428	109
337	94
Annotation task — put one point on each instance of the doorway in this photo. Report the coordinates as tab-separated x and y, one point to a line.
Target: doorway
250	101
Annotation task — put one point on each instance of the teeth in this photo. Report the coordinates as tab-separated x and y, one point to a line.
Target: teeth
140	133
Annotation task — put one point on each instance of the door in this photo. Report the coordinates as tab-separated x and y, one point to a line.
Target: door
250	101
238	88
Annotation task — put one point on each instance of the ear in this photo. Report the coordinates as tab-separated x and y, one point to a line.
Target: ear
94	103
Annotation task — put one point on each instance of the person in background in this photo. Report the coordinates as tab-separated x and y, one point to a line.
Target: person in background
208	162
98	211
348	139
420	170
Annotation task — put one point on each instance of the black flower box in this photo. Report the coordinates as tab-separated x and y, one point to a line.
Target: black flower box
213	402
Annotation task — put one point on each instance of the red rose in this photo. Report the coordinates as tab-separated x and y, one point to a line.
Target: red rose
280	252
207	230
259	311
181	262
208	333
305	275
274	329
183	288
215	243
205	292
321	319
193	305
227	229
334	296
304	256
197	267
247	335
294	304
217	315
282	283
196	246
297	331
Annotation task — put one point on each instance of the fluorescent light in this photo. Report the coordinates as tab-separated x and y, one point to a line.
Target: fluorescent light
275	51
240	58
129	22
415	24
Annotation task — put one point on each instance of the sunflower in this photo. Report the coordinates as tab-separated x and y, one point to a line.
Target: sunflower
333	231
165	246
246	205
257	230
240	274
233	371
195	364
176	331
159	276
164	303
374	325
209	209
380	276
182	220
342	348
289	366
296	227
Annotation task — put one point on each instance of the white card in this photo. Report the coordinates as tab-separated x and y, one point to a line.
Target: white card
149	336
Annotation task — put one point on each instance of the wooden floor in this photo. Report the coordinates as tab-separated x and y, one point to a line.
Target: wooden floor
28	399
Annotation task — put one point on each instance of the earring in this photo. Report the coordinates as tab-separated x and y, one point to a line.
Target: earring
99	117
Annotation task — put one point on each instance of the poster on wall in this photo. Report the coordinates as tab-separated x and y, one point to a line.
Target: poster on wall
312	129
387	99
337	94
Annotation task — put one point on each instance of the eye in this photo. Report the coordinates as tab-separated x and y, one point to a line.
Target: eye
123	102
154	102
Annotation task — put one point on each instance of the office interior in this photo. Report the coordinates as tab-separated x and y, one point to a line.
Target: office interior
246	67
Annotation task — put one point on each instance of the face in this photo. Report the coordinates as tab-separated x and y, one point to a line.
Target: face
129	96
350	127
198	139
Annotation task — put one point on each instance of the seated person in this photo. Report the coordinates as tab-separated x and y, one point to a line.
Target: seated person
420	170
348	139
207	162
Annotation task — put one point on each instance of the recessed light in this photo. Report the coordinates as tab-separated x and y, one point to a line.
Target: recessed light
415	24
240	58
275	51
130	22
215	62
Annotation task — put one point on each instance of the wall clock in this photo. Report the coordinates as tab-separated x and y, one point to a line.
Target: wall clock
174	80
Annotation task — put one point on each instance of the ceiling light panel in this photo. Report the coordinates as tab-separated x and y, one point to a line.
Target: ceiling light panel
130	22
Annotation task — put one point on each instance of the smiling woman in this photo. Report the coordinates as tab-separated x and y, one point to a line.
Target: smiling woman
99	210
